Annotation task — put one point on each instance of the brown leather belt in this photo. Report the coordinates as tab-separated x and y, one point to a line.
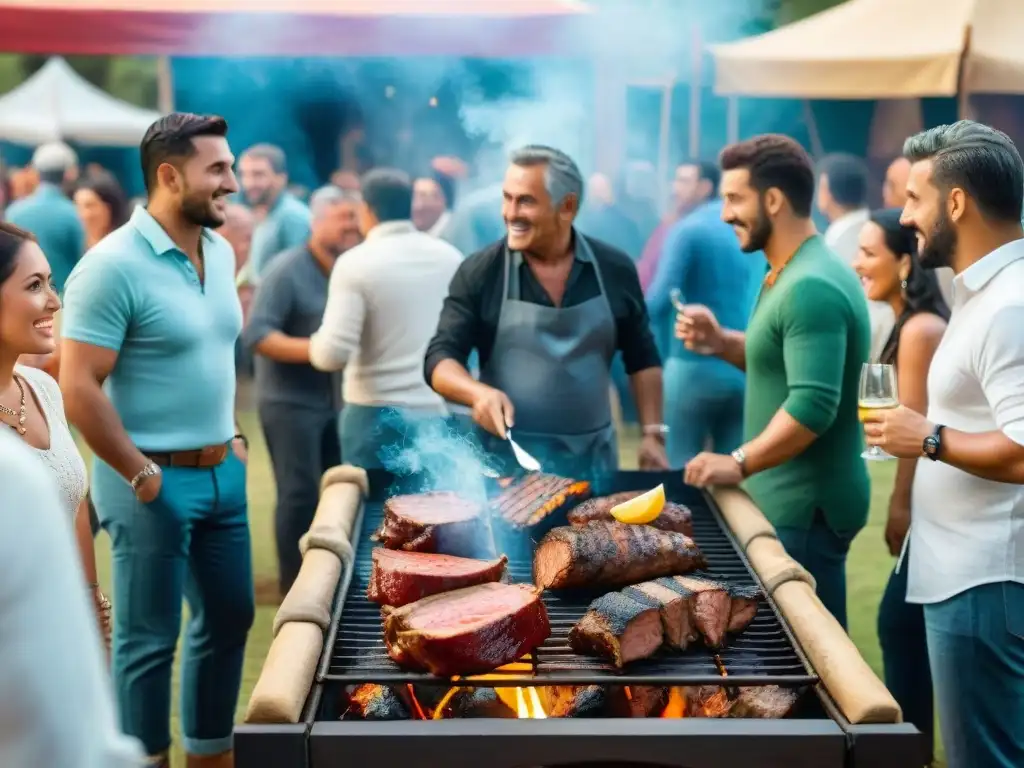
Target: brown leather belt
201	458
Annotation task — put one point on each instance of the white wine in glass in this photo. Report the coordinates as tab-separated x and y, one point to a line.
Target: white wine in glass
878	391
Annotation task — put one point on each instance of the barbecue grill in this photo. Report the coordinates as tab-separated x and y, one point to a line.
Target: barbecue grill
766	653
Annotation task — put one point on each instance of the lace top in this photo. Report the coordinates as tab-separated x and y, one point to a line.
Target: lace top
62	458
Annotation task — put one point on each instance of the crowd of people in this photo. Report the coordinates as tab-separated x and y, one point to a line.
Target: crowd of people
737	333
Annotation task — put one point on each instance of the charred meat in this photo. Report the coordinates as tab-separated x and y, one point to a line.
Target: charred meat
440	522
377	702
619	629
467	631
528	500
398	578
710	605
745	602
674	517
611	554
673	607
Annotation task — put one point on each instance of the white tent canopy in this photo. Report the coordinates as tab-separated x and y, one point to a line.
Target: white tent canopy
881	49
56	103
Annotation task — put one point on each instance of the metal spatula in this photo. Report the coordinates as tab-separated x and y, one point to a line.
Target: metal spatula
526	461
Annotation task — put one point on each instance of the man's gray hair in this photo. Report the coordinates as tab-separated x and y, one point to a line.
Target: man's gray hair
982	161
272	153
329	196
562	176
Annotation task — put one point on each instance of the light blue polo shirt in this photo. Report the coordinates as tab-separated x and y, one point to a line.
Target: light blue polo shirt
51	217
286	226
136	292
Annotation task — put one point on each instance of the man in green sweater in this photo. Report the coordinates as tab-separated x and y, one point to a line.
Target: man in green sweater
803	350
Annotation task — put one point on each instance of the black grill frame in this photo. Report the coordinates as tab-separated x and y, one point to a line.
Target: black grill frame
765	654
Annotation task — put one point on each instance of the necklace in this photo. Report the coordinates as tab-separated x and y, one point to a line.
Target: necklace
21	415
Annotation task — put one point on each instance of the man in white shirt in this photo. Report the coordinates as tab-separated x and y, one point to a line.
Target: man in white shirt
58	705
843	198
965	194
383	303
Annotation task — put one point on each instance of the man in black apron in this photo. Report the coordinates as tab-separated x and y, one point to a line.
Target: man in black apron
547	309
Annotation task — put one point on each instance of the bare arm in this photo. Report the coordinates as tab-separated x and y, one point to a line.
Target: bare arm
783	439
734	349
283	348
453	382
646	386
85	542
83	370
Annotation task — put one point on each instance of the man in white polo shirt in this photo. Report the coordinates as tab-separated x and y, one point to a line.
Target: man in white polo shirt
383	303
965	195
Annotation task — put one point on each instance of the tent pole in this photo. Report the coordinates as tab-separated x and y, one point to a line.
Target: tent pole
696	85
963	94
732	120
817	147
665	133
164	85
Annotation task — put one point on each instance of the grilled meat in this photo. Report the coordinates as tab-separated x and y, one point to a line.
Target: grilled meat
602	554
440	522
710	701
467	631
398	578
745	602
710	605
377	702
673	607
531	498
765	702
574	700
674	517
618	628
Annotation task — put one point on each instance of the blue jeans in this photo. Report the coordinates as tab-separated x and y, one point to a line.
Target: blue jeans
191	541
976	648
822	552
904	644
702	405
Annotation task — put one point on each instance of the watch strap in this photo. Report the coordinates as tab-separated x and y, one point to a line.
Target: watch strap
934	439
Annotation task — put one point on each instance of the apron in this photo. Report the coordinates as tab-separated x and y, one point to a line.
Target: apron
555	366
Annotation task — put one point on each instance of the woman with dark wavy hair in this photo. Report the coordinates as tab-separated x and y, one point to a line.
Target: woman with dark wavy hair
888	267
102	207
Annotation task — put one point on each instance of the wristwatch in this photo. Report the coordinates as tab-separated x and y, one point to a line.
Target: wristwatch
659	431
932	447
740	457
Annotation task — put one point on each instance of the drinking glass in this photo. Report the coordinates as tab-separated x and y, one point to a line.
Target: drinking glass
679	304
878	391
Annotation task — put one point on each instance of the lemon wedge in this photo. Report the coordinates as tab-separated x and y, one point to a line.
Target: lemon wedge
642	509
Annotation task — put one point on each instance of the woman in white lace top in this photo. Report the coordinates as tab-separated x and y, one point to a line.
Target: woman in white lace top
30	401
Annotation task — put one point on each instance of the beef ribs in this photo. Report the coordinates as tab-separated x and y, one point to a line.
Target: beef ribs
618	628
440	522
710	605
528	500
673	517
377	702
398	578
611	554
745	602
467	631
673	607
764	702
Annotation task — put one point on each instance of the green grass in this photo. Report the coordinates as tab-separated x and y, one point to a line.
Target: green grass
868	568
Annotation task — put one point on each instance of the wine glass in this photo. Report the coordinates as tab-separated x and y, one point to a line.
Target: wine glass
878	391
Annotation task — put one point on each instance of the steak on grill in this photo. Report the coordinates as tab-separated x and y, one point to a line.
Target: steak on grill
440	522
398	578
618	628
673	607
467	631
531	498
745	602
602	554
673	517
377	702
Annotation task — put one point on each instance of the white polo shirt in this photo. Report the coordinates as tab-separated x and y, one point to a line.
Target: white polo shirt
967	531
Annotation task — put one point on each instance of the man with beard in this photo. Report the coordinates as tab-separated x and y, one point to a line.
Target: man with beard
802	352
548	308
299	405
964	198
263	173
148	376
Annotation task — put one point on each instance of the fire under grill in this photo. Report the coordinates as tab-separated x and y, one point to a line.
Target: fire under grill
677	709
764	654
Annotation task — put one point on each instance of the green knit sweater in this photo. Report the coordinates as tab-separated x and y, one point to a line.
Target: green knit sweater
805	344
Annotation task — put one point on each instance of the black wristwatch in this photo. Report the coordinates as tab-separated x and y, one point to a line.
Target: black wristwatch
933	443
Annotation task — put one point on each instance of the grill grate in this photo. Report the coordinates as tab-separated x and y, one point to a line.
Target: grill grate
763	654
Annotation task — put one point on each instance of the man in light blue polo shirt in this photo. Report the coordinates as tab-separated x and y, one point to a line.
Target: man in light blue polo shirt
152	313
263	173
49	214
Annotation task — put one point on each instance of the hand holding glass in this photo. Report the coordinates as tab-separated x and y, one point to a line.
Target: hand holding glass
676	297
878	391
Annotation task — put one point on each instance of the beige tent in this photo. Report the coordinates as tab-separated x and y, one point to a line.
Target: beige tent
882	49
